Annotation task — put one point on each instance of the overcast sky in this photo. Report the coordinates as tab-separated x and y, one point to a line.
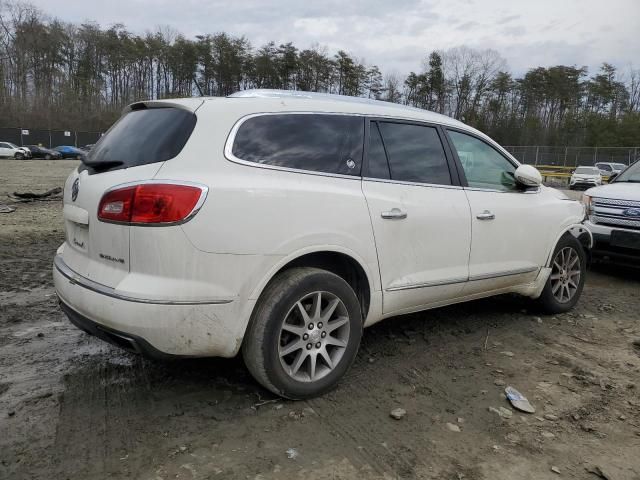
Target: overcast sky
396	35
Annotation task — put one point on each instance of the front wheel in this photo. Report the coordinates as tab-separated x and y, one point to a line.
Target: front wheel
304	333
566	281
19	156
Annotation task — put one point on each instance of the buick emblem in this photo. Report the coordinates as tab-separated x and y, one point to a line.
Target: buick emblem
632	212
75	188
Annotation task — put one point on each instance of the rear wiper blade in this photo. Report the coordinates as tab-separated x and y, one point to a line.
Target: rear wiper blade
102	165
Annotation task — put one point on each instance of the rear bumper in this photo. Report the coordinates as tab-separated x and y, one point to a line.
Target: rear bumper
151	327
126	341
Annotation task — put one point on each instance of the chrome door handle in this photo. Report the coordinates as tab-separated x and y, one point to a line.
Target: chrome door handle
394	214
486	215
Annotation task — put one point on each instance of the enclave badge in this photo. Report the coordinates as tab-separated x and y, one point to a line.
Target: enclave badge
75	188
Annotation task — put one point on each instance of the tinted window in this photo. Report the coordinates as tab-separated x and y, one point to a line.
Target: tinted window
377	158
141	137
320	143
415	153
483	165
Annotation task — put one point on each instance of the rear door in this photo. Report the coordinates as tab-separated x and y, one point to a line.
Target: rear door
133	150
420	215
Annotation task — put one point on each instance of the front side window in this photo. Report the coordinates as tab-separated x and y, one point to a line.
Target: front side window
315	142
483	165
415	153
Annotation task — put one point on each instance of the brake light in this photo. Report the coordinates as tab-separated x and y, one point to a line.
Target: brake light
150	203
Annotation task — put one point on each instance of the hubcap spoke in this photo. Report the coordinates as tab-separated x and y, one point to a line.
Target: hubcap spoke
326	357
292	347
326	315
335	342
337	323
317	306
298	362
295	329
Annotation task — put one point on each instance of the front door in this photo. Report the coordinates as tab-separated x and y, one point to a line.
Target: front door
419	213
505	219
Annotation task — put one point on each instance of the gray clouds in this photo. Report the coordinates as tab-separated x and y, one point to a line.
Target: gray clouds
398	35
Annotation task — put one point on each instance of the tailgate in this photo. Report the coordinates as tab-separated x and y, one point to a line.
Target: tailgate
94	249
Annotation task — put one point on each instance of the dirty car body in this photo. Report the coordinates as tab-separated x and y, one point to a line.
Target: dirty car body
282	224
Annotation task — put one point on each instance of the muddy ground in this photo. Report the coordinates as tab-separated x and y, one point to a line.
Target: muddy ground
73	407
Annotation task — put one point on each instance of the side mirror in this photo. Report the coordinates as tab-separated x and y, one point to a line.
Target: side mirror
528	176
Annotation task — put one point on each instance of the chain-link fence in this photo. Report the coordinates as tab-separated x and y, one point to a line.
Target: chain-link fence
48	138
574	156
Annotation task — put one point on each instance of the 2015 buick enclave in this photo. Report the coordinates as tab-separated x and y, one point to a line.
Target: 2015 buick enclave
280	224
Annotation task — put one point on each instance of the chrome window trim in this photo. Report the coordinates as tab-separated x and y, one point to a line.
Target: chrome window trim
204	191
77	279
228	146
529	191
473	278
412	184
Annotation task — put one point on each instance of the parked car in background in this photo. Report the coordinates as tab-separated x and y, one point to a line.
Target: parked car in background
608	168
68	151
11	150
585	177
279	224
614	216
46	153
87	147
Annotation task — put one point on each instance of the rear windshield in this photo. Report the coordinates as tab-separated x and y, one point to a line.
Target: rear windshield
587	170
142	136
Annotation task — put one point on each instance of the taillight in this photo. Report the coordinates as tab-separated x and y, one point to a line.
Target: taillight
151	203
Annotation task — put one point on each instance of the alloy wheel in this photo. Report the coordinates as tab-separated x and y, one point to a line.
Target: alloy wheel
565	274
314	336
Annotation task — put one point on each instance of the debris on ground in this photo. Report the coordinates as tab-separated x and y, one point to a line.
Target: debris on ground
32	197
555	470
292	453
502	412
397	413
499	382
453	427
597	471
518	400
7	209
551	417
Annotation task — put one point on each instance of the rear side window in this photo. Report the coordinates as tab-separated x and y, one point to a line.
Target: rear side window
378	166
315	142
415	153
143	136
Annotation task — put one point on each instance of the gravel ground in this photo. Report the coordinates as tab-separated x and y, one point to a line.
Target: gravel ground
73	407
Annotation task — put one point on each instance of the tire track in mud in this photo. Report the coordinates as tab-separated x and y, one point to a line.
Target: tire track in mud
397	448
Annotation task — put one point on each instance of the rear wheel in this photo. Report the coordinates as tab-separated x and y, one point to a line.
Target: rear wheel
566	281
304	333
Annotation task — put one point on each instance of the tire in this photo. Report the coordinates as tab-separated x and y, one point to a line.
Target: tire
47	157
571	289
19	156
281	304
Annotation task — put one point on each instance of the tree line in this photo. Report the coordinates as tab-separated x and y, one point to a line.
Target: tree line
60	75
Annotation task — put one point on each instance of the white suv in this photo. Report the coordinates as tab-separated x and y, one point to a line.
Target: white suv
280	224
614	216
11	150
585	177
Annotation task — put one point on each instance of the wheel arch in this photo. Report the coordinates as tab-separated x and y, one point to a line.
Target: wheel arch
340	261
579	231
